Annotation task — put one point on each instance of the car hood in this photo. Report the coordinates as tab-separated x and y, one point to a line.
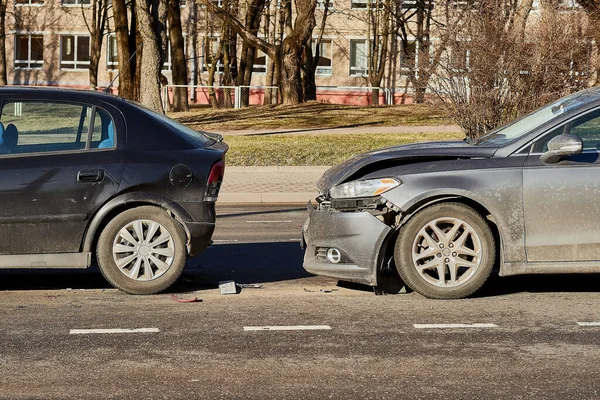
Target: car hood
417	152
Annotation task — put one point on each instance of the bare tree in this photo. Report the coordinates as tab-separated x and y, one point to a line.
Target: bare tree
96	26
3	9
178	60
254	12
287	56
592	8
311	61
379	19
126	30
495	70
148	14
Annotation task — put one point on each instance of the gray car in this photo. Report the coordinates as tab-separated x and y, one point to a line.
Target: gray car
525	197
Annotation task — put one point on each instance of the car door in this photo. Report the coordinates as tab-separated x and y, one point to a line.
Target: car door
59	161
562	201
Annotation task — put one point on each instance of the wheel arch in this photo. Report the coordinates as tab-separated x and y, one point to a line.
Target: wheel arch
126	202
387	249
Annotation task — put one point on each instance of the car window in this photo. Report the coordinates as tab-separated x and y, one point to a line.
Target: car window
37	127
587	128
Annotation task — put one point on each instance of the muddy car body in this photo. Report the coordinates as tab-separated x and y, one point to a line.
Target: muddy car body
528	193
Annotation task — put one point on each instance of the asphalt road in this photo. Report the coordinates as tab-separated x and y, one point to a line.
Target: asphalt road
521	338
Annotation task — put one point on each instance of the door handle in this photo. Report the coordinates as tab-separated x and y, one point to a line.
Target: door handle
93	175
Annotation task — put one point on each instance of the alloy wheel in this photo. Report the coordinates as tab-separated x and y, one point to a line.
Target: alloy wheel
447	252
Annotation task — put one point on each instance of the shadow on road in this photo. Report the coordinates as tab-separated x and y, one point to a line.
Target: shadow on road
243	263
267	263
247	263
499	286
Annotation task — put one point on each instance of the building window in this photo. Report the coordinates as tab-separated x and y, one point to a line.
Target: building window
459	57
324	62
408	55
260	62
358	57
112	54
362	4
213	47
29	2
75	2
74	52
29	51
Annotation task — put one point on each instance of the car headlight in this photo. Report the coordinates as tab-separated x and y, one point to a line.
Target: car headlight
366	188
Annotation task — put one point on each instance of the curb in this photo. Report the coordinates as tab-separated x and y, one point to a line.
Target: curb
266	198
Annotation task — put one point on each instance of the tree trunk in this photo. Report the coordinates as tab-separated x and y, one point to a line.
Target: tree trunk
3	77
151	60
126	68
96	28
291	52
178	62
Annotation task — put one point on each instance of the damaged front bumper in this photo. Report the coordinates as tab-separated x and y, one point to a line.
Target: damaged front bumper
357	238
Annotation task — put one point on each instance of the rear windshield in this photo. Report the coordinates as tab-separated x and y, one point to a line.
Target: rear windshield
197	137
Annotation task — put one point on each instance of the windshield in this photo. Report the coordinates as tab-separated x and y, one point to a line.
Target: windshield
199	138
522	126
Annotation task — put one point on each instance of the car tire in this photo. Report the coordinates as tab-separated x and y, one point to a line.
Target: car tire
145	266
445	251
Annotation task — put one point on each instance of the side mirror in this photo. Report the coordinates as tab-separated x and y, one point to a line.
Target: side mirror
562	146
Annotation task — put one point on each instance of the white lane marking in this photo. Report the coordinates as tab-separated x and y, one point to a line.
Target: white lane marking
287	328
269	222
588	323
453	326
116	330
225	240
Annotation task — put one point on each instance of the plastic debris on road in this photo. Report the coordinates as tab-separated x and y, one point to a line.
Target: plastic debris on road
227	287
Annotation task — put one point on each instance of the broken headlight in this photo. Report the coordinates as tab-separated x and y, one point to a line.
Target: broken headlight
366	188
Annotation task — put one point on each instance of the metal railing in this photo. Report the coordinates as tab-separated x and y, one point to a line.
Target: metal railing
246	96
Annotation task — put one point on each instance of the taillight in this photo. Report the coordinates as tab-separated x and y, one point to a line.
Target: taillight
215	178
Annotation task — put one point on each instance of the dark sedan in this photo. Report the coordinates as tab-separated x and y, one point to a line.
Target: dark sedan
525	197
88	175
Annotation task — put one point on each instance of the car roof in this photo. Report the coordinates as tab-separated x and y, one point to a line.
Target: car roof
52	90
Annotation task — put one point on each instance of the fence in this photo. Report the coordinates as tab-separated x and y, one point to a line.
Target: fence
245	96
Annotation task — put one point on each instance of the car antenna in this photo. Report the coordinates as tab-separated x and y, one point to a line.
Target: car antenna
107	89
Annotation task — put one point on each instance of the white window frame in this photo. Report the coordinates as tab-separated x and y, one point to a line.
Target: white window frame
29	61
78	3
264	66
416	58
30	4
324	71
111	65
77	65
354	71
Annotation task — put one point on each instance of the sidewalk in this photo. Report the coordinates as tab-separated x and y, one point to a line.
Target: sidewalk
270	184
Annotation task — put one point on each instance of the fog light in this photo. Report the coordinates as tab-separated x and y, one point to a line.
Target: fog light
334	256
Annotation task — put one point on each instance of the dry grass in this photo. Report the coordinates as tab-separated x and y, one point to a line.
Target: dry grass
309	115
316	149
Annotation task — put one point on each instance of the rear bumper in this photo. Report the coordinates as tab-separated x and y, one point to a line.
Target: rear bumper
359	236
199	224
200	234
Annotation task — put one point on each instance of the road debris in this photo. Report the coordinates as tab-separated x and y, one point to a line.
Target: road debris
181	300
250	285
320	290
227	287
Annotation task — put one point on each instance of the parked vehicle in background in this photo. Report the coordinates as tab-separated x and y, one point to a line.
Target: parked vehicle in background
525	197
87	175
